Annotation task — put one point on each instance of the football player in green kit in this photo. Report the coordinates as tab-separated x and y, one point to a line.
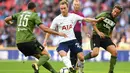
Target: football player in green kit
102	35
25	39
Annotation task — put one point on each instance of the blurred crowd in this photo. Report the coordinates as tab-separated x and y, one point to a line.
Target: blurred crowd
48	9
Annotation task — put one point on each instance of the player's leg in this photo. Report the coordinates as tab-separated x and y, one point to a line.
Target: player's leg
27	50
76	48
46	64
95	44
81	62
73	56
66	60
113	59
43	57
108	45
62	50
92	54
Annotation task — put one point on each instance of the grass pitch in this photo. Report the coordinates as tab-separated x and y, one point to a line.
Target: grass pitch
90	67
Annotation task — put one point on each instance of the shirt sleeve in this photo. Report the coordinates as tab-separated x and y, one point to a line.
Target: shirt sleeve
54	24
15	16
37	20
83	22
78	18
101	15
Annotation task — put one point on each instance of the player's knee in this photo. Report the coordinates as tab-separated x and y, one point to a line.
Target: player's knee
37	56
46	54
81	58
94	54
114	53
62	53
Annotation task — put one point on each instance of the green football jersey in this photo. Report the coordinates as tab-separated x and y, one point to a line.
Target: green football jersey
106	26
26	22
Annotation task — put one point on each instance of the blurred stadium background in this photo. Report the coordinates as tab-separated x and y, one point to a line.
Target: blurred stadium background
47	10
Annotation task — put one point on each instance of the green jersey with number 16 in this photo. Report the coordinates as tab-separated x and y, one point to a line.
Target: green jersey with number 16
106	26
26	21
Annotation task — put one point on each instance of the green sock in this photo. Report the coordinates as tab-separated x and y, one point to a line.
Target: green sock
42	60
112	63
48	66
88	56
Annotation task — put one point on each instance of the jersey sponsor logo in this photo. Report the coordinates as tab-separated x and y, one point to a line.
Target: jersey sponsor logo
21	29
108	23
67	27
107	26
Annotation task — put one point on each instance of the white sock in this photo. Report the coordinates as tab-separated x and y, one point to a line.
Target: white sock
67	61
81	66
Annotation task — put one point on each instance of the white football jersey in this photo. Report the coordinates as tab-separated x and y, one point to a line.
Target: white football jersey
66	25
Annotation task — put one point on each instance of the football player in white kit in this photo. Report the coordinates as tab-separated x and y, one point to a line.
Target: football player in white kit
65	22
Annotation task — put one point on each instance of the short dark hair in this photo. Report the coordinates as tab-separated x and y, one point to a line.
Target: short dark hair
118	7
31	5
64	2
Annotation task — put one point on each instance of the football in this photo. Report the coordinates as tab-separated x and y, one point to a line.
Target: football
64	70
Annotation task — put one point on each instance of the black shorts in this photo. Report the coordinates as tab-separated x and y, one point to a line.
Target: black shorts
96	41
30	48
78	37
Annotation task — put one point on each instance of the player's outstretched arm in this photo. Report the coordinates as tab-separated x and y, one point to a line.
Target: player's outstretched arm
89	20
8	20
93	20
48	30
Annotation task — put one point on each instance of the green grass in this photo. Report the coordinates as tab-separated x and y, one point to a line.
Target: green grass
90	67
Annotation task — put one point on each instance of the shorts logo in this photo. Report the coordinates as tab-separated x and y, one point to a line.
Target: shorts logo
40	47
94	44
77	44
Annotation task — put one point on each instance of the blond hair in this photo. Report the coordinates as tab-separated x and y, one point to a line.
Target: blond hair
64	2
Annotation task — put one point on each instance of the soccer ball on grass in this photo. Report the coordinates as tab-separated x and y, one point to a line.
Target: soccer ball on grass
64	70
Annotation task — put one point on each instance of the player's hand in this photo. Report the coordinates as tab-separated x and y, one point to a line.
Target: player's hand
100	19
101	34
62	34
10	22
45	43
88	35
94	23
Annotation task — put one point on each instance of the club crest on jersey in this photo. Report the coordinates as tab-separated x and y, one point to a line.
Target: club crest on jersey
67	27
